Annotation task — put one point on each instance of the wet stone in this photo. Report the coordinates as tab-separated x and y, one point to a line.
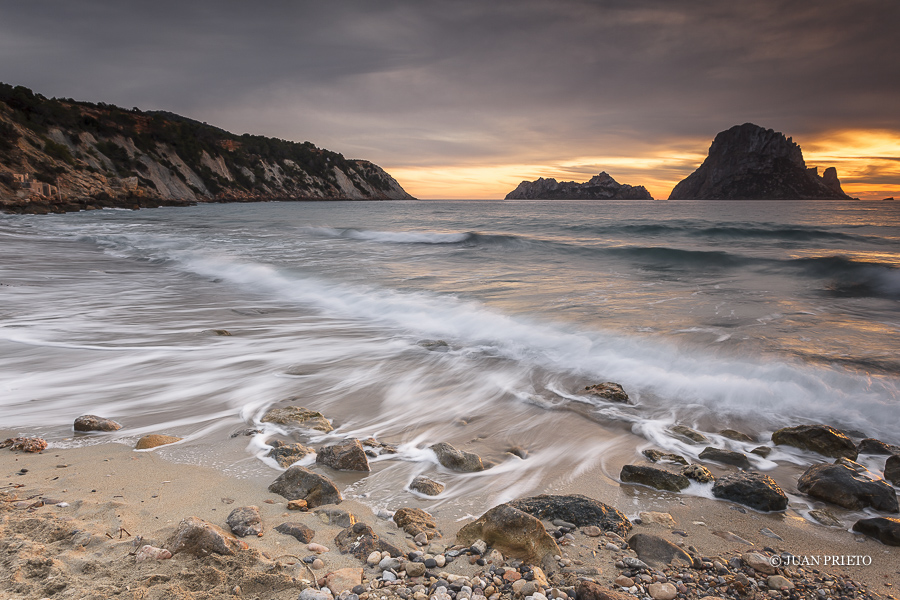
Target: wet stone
426	486
95	423
155	440
817	438
688	434
346	456
733	434
608	390
299	483
457	460
287	454
660	456
653	477
727	457
298	416
698	473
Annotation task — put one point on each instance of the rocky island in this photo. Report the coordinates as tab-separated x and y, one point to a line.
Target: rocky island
60	155
598	187
748	162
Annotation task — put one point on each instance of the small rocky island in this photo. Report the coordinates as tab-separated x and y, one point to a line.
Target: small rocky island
748	162
598	187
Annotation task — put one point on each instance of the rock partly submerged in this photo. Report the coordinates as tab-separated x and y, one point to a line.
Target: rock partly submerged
822	439
154	440
86	423
348	455
842	485
428	487
298	416
653	477
608	390
598	187
726	457
755	490
457	460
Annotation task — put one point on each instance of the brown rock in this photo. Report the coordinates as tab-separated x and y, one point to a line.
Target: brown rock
346	456
299	483
823	439
297	505
33	444
95	423
653	477
360	540
154	439
758	562
662	591
299	531
426	486
589	590
415	521
287	454
733	434
728	457
343	580
658	455
457	460
514	533
698	473
245	521
657	552
892	469
608	390
689	435
196	536
299	417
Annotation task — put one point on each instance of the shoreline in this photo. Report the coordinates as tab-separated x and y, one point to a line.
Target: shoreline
116	494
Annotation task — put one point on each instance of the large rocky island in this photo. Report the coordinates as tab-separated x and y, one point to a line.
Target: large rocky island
749	162
598	187
62	155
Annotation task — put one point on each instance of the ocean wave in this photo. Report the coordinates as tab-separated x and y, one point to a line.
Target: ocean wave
413	237
736	231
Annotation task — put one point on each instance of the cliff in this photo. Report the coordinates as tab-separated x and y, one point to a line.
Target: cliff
598	187
749	162
78	155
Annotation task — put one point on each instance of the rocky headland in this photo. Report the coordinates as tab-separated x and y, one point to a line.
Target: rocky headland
748	162
60	155
598	187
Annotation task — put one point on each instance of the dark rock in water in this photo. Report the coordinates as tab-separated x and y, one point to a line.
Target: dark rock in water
608	390
375	448
457	460
435	345
346	456
653	477
657	552
892	469
763	451
873	446
727	457
825	518
298	417
299	483
852	464
841	485
751	489
415	521
517	451
287	454
426	486
360	540
301	532
576	509
514	533
823	439
884	529
245	521
748	162
657	456
735	435
95	423
196	536
688	434
246	432
598	187
697	473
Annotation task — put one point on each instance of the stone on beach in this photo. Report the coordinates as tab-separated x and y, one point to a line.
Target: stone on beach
95	423
755	490
415	521
842	485
698	473
336	516
360	540
658	518
426	486
298	417
245	521
349	455
299	531
287	454
688	434
577	509
884	529
299	483
662	591
32	444
657	552
196	536
873	446
727	457
344	579
758	562
457	460
823	439
514	533
653	477
825	518
155	440
657	456
892	469
608	390
148	552
733	434
591	590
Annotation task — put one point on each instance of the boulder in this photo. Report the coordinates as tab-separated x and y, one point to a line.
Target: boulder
653	477
336	516
613	392
155	440
659	456
884	529
727	457
287	454
360	540
245	521
513	532
755	490
415	521
873	446
689	435
299	483
698	473
579	510
95	423
842	485
346	456
195	536
733	434
662	591
32	444
299	531
823	439
598	187
591	590
298	416
892	469
457	460
426	486
657	552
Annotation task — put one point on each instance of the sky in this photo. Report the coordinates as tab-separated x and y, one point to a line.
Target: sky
466	98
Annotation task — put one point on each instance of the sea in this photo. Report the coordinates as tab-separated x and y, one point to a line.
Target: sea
477	323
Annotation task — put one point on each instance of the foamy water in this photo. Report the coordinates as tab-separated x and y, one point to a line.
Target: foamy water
744	315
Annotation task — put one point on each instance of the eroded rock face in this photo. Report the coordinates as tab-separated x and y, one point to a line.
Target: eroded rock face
823	439
653	477
95	423
755	490
346	456
512	532
415	521
579	510
844	486
299	483
598	187
748	162
884	529
457	460
298	417
196	536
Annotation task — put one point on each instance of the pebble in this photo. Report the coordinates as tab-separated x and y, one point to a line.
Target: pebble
592	531
317	548
373	559
623	581
318	564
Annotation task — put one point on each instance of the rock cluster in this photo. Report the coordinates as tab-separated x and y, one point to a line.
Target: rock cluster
598	187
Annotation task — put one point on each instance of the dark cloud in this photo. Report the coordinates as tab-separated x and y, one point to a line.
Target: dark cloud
422	82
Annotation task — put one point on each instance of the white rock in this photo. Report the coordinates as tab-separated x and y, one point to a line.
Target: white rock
149	552
373	559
